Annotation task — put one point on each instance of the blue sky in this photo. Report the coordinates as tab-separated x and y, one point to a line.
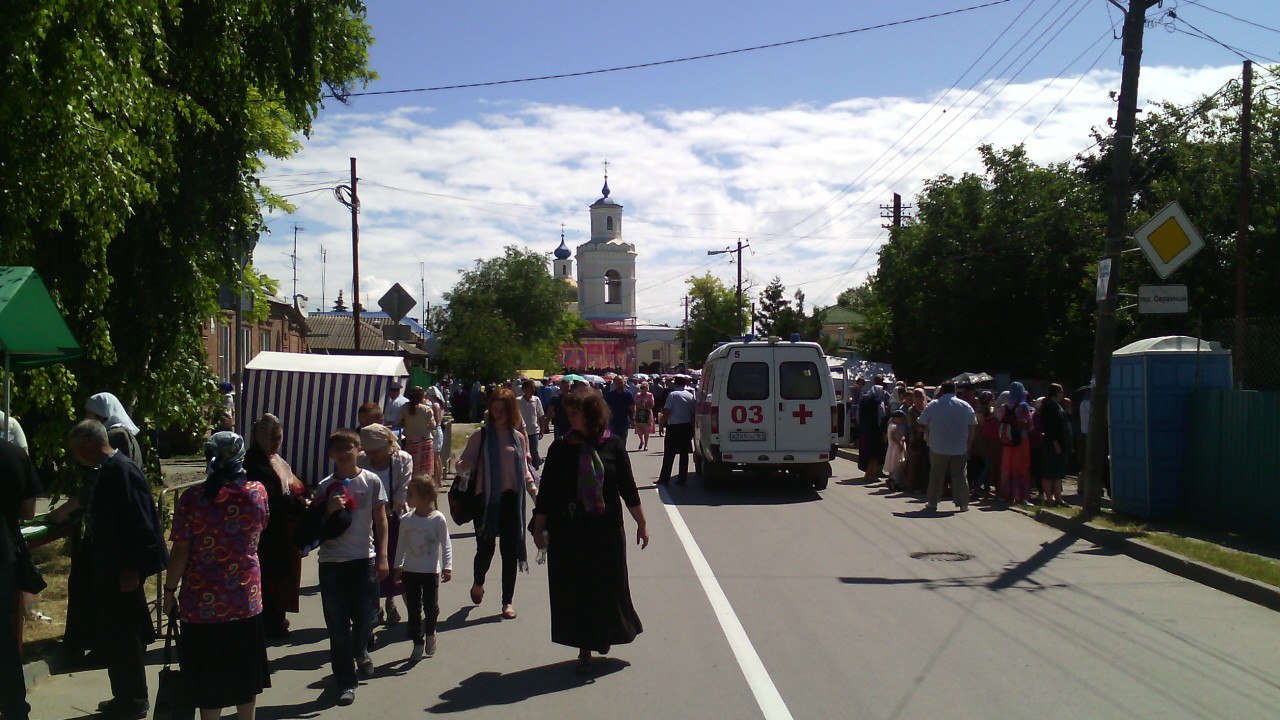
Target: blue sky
794	147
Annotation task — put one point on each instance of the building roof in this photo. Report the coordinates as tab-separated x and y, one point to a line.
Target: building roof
841	315
377	318
335	332
338	364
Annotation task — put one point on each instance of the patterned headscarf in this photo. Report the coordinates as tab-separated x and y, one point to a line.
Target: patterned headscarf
590	470
224	452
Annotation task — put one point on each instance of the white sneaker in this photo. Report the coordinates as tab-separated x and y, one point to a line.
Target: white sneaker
416	654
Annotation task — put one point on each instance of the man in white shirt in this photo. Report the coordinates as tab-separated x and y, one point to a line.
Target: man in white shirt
951	427
394	405
353	560
534	417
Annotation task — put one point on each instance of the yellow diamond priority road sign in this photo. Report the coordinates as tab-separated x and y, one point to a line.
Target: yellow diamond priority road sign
1168	240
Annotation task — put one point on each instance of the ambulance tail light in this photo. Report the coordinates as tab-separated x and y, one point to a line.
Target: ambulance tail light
715	419
835	420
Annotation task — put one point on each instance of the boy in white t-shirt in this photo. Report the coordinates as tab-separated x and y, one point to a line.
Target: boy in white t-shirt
352	560
424	558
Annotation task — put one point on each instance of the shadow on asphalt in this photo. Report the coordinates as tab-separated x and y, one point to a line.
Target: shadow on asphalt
486	689
743	489
461	619
309	709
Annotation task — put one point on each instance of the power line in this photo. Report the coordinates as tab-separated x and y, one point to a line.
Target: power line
673	61
1243	54
1246	21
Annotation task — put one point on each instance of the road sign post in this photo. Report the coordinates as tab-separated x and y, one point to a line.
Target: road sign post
397	302
1163	299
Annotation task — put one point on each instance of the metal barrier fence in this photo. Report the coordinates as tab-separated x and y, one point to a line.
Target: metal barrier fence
1255	350
156	607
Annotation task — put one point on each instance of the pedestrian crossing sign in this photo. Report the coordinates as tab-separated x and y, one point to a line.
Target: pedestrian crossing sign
1168	240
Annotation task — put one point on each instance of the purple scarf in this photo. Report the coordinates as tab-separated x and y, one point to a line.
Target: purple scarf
590	471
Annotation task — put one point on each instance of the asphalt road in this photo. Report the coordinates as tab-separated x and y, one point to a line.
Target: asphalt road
784	602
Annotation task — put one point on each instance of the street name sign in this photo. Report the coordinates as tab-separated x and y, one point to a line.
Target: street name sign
397	302
403	333
1168	240
1104	278
1162	299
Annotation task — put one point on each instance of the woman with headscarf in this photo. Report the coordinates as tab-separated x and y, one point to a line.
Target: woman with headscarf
419	420
587	481
871	431
1015	460
121	432
436	398
278	555
381	455
497	459
917	446
222	648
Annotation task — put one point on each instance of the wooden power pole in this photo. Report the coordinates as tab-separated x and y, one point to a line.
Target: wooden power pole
1120	198
1242	233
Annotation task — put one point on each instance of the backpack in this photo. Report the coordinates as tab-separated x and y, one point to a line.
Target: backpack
1010	430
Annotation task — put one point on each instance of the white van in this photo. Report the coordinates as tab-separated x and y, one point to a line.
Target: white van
766	405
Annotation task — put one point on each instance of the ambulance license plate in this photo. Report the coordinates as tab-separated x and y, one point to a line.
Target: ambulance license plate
746	436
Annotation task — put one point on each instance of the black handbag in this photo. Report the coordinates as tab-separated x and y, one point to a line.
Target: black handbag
462	506
171	701
26	575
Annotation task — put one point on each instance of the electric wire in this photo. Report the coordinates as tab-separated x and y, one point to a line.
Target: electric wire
672	61
1246	21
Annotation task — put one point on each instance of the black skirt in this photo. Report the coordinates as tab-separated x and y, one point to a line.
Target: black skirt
223	664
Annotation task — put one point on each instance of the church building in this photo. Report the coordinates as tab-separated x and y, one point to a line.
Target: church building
602	291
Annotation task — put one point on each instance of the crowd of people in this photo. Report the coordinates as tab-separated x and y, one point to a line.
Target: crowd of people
965	442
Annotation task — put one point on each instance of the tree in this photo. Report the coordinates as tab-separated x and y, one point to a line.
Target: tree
505	314
775	310
713	315
136	131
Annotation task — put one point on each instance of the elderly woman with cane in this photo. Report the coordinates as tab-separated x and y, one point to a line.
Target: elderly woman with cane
222	647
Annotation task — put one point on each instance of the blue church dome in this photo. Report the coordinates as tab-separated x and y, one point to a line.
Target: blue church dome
562	252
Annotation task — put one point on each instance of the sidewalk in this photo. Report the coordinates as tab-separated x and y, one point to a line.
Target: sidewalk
1218	578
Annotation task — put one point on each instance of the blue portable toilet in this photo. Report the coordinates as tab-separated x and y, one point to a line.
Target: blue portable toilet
1150	381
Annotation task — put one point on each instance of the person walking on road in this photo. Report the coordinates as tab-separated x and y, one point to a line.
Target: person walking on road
555	408
534	417
498	462
278	554
1015	462
222	648
622	408
353	560
951	428
872	412
1057	448
424	559
381	455
578	520
677	416
644	415
125	546
19	487
419	421
393	405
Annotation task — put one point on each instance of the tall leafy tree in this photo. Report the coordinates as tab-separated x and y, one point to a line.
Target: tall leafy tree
503	315
132	135
713	315
774	309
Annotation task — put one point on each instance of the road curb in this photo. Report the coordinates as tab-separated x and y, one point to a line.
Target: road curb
35	671
1242	587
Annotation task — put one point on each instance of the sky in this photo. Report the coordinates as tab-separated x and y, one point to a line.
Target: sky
792	148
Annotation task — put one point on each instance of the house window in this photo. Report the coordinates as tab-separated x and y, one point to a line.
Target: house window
657	354
246	345
612	288
266	341
608	224
224	351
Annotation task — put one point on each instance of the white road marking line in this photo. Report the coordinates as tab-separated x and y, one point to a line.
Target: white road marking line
766	693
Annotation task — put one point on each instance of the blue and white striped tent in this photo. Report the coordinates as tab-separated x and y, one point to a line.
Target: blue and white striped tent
313	395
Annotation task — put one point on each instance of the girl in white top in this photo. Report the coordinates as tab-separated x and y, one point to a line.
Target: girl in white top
424	558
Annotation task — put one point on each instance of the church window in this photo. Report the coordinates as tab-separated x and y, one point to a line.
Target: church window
612	288
608	224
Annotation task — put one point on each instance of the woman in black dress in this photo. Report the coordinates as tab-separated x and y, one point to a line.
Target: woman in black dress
586	481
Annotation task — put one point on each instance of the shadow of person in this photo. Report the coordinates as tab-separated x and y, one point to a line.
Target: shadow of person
493	688
309	709
459	619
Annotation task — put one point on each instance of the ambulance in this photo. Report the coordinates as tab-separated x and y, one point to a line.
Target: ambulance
766	405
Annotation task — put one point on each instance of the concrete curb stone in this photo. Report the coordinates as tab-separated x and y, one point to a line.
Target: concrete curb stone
38	670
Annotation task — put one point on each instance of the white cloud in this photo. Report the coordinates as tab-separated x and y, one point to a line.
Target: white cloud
804	183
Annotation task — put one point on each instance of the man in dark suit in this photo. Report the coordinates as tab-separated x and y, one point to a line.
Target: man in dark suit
18	490
126	546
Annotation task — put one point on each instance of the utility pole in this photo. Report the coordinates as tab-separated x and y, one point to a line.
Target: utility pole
1242	233
294	258
324	263
352	200
738	250
894	212
684	350
422	281
1119	201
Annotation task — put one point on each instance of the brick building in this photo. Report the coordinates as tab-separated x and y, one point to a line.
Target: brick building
284	330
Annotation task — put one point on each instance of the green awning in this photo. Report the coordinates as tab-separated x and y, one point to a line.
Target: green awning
32	331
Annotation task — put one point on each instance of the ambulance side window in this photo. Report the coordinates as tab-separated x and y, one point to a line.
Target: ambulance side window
799	381
748	381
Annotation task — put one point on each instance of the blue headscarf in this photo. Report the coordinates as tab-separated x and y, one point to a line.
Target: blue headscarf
1017	394
224	452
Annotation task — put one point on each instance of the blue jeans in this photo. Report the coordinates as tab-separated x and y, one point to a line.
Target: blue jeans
349	594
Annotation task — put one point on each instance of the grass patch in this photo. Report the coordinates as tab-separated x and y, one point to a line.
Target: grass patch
1250	565
462	432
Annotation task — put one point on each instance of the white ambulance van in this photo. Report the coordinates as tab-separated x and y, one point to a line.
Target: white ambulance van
766	405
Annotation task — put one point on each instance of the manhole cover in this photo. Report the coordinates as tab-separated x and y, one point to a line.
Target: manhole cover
942	556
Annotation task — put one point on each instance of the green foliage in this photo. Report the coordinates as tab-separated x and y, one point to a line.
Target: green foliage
130	136
713	315
778	316
504	315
